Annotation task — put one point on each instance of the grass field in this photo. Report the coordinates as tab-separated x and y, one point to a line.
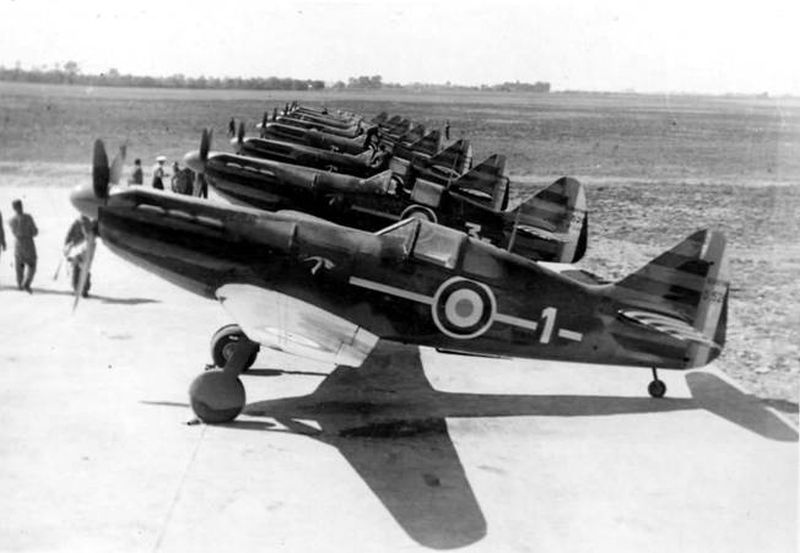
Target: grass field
656	167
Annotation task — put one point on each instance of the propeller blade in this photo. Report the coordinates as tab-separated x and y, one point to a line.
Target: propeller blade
118	164
240	136
86	266
205	144
100	170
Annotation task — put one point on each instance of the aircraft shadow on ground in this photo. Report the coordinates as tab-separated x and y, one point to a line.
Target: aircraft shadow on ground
92	297
389	423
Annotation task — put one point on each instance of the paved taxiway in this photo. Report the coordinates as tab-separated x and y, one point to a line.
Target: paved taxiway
411	451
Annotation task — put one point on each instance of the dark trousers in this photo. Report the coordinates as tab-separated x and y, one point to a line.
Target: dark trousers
76	280
24	280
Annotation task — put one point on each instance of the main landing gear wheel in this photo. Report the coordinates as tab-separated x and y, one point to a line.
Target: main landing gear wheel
217	396
656	388
223	344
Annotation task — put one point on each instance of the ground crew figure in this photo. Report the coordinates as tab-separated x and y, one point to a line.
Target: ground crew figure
75	251
174	182
447	130
24	230
137	177
2	235
232	127
274	114
158	173
182	180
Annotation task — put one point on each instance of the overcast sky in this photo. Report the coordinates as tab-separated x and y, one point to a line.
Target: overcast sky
651	46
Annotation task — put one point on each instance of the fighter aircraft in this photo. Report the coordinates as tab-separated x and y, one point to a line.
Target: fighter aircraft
306	286
551	226
349	132
441	168
357	165
315	138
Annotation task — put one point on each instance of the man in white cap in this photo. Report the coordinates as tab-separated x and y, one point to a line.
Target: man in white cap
158	173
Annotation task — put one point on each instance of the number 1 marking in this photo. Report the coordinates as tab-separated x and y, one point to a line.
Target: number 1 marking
549	316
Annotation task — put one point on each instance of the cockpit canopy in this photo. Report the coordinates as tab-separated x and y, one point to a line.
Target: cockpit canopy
428	241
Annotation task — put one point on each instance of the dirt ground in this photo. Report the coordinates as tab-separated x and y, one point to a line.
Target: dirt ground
656	167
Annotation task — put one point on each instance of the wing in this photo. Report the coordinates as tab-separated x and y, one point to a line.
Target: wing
668	325
280	322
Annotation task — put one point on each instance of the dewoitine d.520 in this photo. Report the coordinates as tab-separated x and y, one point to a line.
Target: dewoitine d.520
306	286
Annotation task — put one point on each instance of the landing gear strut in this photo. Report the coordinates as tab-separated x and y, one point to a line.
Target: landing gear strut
223	344
218	395
656	388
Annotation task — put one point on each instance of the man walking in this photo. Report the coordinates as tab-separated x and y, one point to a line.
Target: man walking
2	235
24	230
75	251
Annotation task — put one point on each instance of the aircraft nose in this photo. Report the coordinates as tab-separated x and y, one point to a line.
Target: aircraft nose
193	161
84	200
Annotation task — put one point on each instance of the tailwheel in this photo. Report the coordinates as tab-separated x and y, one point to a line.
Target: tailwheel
217	396
656	388
224	343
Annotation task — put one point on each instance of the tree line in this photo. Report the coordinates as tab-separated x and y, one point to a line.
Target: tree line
70	73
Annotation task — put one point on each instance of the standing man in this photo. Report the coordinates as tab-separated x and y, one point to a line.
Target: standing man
75	251
232	127
158	173
447	130
137	177
24	230
2	235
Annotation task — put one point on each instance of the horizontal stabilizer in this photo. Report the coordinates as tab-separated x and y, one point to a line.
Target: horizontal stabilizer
668	325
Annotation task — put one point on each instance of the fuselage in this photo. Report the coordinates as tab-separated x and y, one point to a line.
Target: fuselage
417	283
308	156
350	132
271	185
315	138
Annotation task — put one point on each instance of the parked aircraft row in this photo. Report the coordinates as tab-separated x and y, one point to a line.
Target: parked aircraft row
321	254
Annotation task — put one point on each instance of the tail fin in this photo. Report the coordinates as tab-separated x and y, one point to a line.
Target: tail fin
430	144
414	134
454	157
380	118
552	225
397	129
485	183
391	122
684	294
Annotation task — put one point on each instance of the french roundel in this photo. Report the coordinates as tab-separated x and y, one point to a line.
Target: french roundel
463	308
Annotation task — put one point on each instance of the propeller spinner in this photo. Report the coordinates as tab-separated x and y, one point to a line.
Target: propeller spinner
196	160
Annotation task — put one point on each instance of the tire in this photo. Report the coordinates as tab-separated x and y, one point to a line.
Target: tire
222	342
419	212
657	388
